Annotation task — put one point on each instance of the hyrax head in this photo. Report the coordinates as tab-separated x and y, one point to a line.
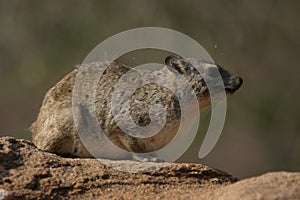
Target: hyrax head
198	73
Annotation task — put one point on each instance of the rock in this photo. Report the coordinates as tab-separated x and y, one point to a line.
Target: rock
276	185
31	173
28	173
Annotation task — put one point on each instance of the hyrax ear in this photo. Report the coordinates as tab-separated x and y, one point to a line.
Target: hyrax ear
172	58
176	62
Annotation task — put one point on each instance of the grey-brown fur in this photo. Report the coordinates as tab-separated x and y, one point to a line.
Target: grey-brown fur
54	130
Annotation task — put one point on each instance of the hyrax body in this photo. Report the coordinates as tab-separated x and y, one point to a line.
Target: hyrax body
55	131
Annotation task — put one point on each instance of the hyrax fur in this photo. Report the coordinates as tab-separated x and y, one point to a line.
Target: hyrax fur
54	130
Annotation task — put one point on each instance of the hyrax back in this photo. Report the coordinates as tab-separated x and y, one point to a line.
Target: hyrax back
55	131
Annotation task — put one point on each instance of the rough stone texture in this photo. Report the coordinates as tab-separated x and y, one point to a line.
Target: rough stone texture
28	173
276	185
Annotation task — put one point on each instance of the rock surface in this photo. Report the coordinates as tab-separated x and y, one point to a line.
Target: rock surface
28	173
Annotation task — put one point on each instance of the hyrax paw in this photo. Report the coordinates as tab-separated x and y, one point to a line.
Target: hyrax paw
148	158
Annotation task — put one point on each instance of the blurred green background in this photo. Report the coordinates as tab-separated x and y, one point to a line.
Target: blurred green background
41	41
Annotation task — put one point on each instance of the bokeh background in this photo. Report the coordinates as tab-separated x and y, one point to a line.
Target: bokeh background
41	41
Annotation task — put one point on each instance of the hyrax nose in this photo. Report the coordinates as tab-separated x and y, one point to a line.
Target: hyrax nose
237	82
233	83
